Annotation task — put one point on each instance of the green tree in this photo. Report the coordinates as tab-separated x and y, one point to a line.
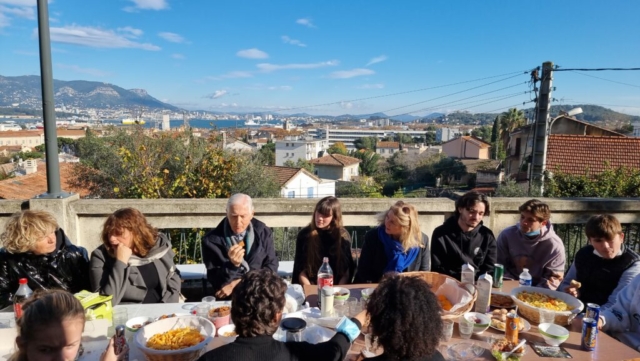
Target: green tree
484	133
338	148
403	138
612	182
253	179
28	155
509	121
495	135
364	187
447	169
369	161
62	142
300	163
510	188
367	143
267	153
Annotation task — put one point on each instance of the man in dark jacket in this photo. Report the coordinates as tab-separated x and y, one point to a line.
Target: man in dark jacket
236	246
463	239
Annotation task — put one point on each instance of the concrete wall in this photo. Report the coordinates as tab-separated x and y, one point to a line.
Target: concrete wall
82	219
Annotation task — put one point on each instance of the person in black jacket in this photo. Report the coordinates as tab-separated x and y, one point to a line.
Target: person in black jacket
396	245
256	311
324	237
464	239
236	246
35	248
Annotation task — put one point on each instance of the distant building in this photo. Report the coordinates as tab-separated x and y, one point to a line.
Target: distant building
446	134
336	167
166	122
348	136
294	149
29	138
299	183
636	129
238	146
387	149
413	150
466	147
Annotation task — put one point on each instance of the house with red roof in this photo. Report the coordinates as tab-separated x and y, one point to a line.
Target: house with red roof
300	183
336	167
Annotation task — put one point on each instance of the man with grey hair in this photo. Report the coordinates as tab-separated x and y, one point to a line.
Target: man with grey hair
239	244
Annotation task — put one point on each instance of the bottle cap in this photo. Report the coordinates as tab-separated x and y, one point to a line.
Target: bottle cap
325	259
22	281
525	270
120	331
293	324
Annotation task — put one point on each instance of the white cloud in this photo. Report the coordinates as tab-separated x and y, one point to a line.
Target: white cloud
131	32
288	40
345	74
171	37
10	9
346	105
306	22
216	94
20	11
252	53
236	74
95	38
266	67
78	69
178	56
377	59
147	5
370	86
281	87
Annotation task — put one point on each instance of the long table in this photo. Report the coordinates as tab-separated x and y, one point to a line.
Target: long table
607	348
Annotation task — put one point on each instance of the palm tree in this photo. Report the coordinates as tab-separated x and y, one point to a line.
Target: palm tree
510	121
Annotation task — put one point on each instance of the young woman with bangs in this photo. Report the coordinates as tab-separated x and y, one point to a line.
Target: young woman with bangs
134	264
324	237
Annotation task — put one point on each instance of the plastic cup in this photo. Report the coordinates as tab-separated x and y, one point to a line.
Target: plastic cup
120	316
354	305
465	327
447	330
202	310
547	316
209	299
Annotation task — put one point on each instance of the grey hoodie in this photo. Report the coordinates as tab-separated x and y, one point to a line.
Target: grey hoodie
112	277
543	255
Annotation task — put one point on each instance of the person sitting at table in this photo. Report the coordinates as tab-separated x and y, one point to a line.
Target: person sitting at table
239	244
324	237
532	244
396	245
36	248
622	320
134	264
256	310
404	317
51	327
604	267
464	239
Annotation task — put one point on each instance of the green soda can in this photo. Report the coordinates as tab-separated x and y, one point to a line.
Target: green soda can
498	275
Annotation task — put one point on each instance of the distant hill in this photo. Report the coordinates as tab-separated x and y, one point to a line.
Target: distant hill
26	90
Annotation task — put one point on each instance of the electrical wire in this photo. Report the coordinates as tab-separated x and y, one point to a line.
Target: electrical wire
558	68
609	80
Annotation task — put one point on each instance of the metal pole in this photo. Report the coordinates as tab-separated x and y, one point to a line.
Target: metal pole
48	105
541	128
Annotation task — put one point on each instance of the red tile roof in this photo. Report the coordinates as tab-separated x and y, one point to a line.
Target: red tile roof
386	145
473	140
574	154
337	160
21	133
285	174
30	185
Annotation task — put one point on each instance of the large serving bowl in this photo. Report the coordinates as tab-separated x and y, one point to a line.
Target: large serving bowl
206	328
435	280
553	335
532	313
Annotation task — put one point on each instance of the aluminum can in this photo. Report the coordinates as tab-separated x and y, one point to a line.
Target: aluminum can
511	327
498	275
589	333
120	346
593	311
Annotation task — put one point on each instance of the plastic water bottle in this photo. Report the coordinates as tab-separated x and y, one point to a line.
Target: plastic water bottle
22	294
467	274
325	278
525	277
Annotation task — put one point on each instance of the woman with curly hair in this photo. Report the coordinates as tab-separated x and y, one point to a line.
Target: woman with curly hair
324	237
35	248
405	320
396	245
134	264
256	311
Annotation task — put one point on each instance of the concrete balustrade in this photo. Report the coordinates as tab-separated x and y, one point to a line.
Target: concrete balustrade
82	219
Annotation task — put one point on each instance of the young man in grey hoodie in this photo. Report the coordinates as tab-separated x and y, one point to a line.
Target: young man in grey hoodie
533	244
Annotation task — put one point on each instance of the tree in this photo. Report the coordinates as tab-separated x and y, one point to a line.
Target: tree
484	133
367	143
612	182
403	138
369	161
300	163
447	169
28	155
509	121
338	148
253	179
267	153
364	187
495	134
510	188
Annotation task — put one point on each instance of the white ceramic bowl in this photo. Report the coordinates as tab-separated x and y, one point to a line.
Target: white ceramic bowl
553	334
366	293
532	313
341	293
480	321
226	329
140	322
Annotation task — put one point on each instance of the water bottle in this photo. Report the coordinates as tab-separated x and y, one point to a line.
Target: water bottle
22	294
525	277
468	274
325	278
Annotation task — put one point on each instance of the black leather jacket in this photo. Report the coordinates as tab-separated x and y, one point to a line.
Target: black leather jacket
67	268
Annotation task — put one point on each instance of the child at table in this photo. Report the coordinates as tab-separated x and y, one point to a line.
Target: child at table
622	320
50	328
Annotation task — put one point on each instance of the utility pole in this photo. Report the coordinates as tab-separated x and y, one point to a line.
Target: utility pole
541	129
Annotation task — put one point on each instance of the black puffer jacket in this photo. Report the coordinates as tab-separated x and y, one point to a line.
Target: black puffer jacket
65	268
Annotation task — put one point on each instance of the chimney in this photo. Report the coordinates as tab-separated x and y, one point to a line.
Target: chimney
30	166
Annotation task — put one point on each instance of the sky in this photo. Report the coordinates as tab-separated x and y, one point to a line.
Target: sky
336	57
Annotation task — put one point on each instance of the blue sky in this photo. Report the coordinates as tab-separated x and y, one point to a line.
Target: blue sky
334	57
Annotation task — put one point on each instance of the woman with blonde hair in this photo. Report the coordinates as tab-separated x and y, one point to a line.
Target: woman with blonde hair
134	264
35	248
324	237
396	245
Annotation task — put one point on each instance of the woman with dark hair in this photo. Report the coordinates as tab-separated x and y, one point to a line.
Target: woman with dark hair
396	245
324	237
135	262
256	311
404	317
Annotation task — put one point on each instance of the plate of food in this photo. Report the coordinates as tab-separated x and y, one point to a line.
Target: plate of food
499	318
501	300
498	346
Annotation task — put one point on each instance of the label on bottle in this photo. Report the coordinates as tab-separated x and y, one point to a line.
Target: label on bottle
525	282
323	280
17	310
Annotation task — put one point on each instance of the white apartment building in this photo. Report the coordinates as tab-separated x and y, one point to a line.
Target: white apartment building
348	136
27	138
446	134
294	149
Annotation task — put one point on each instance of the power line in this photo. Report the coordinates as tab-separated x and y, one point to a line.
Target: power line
609	80
609	105
558	68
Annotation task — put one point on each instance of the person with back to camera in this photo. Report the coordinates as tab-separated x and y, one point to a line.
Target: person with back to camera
256	310
134	264
396	245
324	237
464	239
404	317
50	329
37	249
